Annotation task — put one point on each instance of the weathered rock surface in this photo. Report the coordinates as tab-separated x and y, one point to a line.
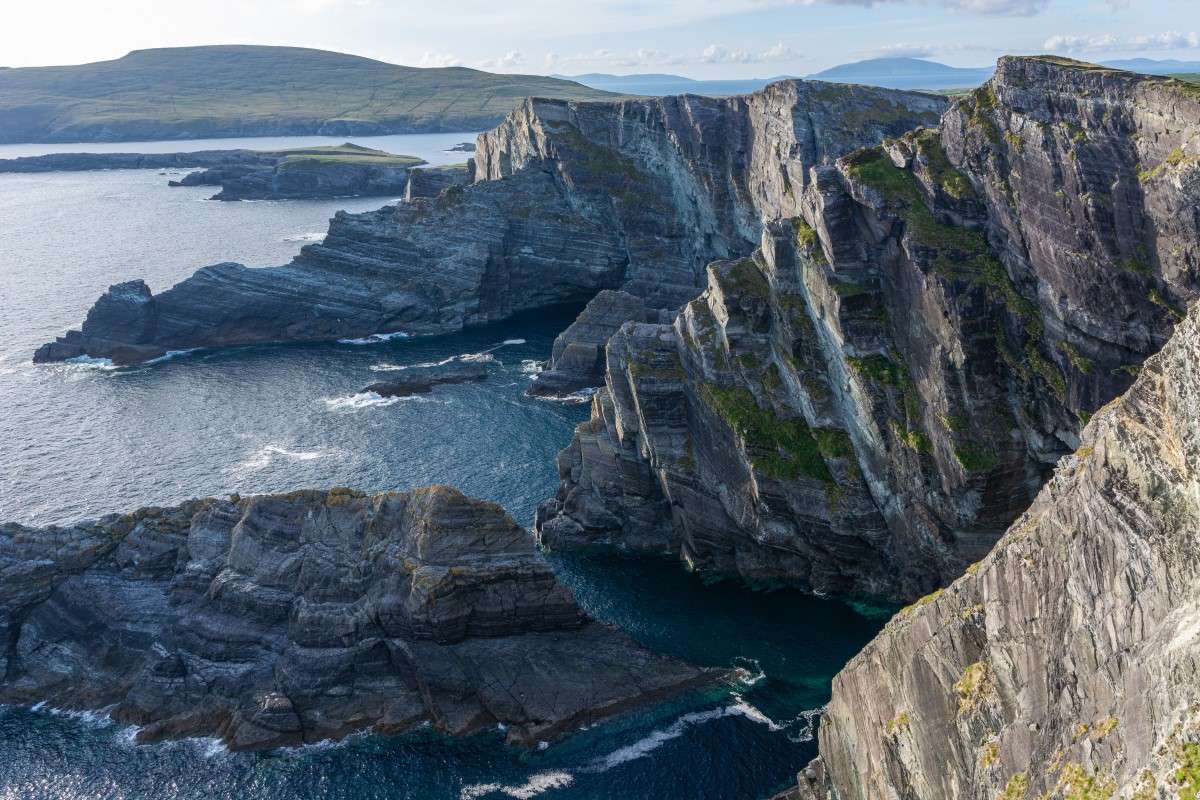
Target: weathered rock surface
1066	664
432	181
421	379
277	620
865	405
568	199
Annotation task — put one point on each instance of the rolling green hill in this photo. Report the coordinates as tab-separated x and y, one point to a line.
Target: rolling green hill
244	90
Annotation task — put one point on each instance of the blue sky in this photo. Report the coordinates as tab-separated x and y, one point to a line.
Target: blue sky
700	38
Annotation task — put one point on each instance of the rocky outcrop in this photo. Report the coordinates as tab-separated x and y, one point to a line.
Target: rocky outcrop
432	181
282	619
568	199
866	404
83	162
346	170
1063	665
420	379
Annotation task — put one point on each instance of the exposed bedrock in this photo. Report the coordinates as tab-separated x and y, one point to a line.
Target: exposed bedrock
568	199
1066	664
865	405
282	619
421	379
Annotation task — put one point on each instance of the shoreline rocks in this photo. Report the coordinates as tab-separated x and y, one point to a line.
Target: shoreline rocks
284	619
422	379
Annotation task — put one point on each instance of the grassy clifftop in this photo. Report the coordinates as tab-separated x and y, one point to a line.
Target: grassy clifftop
243	90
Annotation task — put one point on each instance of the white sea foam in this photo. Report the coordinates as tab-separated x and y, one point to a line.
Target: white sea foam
315	236
376	338
656	739
537	784
92	363
513	341
266	455
574	398
362	400
485	357
93	719
167	356
532	367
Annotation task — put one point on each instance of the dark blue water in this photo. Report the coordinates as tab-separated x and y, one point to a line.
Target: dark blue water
78	441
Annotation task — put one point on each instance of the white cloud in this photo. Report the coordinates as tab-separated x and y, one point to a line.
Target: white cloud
719	54
430	59
1008	8
902	51
510	60
1106	43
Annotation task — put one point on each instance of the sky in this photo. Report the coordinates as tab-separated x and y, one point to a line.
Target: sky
698	38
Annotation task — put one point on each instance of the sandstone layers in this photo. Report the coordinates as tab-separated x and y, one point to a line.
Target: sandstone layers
865	404
1066	664
568	199
282	619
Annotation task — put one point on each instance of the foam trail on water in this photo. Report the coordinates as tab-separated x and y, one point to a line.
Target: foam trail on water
357	402
315	236
532	367
375	338
167	356
266	455
656	739
537	784
574	398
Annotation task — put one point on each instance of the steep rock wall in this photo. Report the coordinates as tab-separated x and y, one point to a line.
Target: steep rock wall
865	405
1065	664
569	199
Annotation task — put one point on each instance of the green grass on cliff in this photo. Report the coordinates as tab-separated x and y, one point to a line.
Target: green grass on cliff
783	449
239	90
345	154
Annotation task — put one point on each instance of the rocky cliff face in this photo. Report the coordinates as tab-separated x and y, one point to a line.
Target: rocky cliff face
277	620
569	199
1065	664
866	404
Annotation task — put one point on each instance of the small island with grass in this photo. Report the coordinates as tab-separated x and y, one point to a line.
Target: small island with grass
346	170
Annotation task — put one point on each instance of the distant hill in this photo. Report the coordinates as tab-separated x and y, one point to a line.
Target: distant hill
659	85
1151	66
905	73
244	90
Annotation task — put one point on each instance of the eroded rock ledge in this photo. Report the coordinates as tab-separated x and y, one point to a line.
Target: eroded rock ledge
1065	664
568	199
866	404
282	619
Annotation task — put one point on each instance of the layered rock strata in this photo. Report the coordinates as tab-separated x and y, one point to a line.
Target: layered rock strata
282	619
569	199
1065	664
866	404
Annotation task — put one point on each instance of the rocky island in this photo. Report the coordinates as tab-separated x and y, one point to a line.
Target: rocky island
421	379
283	619
346	170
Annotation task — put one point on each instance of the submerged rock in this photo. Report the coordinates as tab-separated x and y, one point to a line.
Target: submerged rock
1065	663
283	619
421	379
866	404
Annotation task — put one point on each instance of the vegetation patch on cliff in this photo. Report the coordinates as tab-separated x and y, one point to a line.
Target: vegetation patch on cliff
780	448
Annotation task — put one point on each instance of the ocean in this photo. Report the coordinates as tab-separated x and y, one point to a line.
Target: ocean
81	440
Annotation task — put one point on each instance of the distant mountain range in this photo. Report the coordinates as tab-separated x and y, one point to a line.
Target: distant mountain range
891	73
660	85
243	90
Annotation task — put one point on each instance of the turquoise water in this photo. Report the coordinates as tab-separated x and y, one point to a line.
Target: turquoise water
78	441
